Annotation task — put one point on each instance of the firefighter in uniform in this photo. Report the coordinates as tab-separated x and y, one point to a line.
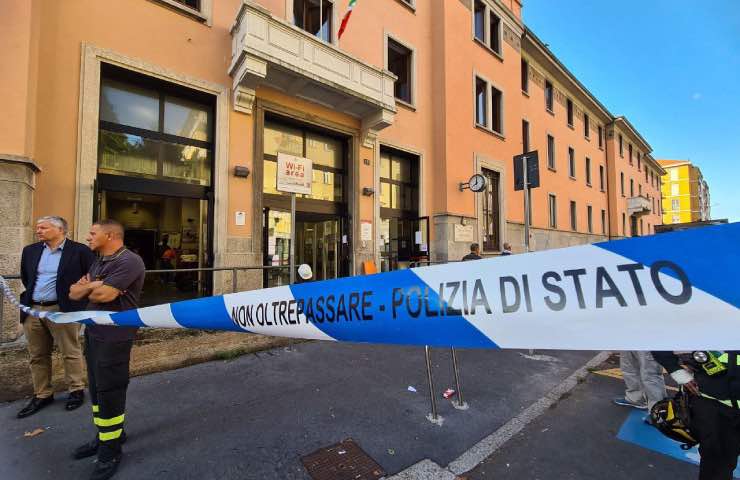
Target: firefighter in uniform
713	380
114	283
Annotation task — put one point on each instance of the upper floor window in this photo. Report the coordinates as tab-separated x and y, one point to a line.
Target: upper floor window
571	162
315	17
487	25
601	177
551	152
639	159
621	183
601	137
589	218
586	126
553	210
489	113
194	4
401	63
588	171
525	76
646	174
573	215
569	107
629	152
621	146
525	136
549	95
632	188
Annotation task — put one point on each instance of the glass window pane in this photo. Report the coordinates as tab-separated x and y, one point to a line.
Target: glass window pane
324	150
385	166
121	152
269	177
186	119
186	162
395	196
481	101
129	105
385	195
281	138
480	12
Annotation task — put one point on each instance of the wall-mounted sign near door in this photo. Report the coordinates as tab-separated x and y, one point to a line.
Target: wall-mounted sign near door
477	183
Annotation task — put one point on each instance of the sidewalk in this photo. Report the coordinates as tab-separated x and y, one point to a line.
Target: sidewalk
255	416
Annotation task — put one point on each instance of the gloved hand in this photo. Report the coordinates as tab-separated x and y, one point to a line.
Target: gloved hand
686	380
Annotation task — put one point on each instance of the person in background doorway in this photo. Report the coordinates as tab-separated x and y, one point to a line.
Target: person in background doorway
506	250
474	253
48	268
113	284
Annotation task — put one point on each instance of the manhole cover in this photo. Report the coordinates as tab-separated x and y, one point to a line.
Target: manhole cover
343	461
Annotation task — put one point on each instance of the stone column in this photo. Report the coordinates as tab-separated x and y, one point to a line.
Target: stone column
17	182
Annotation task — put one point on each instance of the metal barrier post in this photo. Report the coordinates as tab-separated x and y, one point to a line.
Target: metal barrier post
460	402
433	417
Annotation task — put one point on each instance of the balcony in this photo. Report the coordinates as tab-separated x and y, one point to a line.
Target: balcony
266	50
638	205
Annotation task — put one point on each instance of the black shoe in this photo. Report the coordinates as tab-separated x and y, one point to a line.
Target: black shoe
91	448
35	405
106	469
75	400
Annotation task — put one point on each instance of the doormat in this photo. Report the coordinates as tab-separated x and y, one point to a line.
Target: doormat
342	461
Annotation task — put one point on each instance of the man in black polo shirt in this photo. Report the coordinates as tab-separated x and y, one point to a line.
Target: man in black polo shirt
113	284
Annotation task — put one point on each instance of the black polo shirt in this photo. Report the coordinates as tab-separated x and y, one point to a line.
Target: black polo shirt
123	270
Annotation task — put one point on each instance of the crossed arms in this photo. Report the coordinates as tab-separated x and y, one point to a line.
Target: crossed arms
95	291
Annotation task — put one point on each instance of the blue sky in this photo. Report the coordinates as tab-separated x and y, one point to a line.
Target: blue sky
671	67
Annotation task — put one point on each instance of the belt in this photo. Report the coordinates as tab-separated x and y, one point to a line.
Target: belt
45	304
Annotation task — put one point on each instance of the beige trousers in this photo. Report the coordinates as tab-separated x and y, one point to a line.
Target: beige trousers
41	335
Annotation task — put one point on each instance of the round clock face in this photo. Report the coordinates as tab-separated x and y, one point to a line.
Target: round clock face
477	183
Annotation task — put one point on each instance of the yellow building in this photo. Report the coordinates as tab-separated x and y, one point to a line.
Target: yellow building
684	192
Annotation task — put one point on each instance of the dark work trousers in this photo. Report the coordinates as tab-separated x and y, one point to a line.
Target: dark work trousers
717	428
108	376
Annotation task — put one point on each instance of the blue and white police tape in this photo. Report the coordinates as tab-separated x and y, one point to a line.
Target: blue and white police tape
673	291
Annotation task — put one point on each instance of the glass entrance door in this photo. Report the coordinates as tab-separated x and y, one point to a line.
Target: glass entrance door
319	243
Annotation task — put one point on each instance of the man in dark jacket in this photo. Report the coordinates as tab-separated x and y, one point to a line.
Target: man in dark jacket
713	380
474	253
48	268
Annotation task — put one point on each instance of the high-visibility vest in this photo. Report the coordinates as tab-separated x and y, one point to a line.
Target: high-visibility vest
725	358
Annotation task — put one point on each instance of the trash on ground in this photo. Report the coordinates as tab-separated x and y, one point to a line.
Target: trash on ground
449	393
35	432
411	389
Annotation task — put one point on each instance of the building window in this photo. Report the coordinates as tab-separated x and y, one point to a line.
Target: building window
621	146
624	225
549	94
553	208
641	226
676	219
551	152
400	62
154	133
603	222
571	162
315	17
586	126
573	214
629	150
675	205
588	171
194	4
525	76
639	189
525	136
601	137
569	107
621	183
632	188
601	177
589	218
491	211
487	26
497	110
639	158
494	32
490	116
480	20
481	102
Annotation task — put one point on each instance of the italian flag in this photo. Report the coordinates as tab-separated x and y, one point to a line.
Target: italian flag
345	20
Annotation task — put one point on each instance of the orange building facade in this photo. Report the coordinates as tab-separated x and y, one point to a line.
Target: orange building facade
170	116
